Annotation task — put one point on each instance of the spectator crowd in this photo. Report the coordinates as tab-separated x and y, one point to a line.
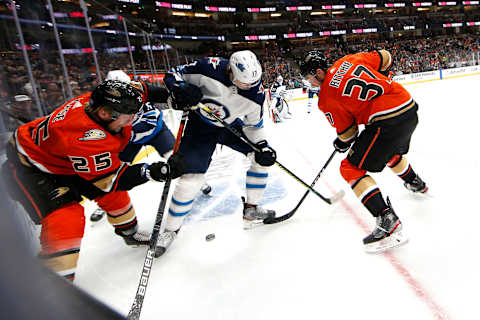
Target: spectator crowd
17	98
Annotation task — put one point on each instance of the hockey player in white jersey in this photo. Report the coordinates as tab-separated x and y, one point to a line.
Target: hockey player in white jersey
311	91
278	105
233	90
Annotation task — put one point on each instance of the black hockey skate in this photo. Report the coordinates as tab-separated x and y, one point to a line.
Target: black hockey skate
253	215
387	233
132	237
97	215
164	241
417	185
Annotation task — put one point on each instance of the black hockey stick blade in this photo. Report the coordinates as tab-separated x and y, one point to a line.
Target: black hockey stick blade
336	197
339	195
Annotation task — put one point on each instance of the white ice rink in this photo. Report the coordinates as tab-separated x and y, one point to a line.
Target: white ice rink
313	266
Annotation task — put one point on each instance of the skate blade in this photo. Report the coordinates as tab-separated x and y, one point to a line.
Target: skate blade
427	194
393	241
251	224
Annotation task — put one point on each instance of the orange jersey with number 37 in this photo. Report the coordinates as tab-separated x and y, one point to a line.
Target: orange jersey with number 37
69	142
355	92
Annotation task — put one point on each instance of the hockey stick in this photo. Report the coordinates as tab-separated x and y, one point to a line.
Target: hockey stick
136	309
288	215
250	144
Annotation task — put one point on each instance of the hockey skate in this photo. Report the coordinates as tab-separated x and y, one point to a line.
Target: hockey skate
253	215
206	188
137	238
164	242
387	233
97	215
417	185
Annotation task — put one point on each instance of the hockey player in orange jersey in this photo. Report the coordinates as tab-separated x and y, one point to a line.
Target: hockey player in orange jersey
355	91
73	152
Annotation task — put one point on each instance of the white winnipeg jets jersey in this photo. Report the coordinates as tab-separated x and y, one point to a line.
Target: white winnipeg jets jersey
279	90
222	96
309	87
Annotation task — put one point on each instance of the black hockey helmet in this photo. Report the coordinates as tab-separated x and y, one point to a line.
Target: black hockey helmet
118	95
314	60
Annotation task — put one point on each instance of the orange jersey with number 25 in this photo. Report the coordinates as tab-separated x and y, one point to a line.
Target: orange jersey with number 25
69	142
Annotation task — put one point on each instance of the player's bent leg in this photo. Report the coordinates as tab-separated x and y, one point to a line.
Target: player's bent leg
364	187
121	215
61	236
181	204
256	182
367	191
185	191
404	171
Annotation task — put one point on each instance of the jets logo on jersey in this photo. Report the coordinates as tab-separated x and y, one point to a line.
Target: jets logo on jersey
93	135
217	108
214	61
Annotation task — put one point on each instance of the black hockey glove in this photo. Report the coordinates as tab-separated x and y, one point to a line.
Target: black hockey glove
341	146
157	171
160	171
185	95
266	156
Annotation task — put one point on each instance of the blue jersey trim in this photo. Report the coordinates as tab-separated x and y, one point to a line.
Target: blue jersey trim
150	136
178	214
256	186
258	125
180	203
257	174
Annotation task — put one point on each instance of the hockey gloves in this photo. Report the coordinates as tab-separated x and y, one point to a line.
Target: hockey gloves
265	156
185	95
160	171
341	146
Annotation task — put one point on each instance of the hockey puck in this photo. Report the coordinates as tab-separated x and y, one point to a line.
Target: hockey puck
210	237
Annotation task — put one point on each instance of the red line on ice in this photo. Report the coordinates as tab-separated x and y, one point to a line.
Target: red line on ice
414	284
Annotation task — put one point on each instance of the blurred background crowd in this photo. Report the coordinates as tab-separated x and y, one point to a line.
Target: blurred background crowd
54	50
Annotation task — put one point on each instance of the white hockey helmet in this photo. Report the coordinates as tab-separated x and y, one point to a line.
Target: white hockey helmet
280	79
118	75
246	70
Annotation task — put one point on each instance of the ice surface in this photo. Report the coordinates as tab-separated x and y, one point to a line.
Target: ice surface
313	266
